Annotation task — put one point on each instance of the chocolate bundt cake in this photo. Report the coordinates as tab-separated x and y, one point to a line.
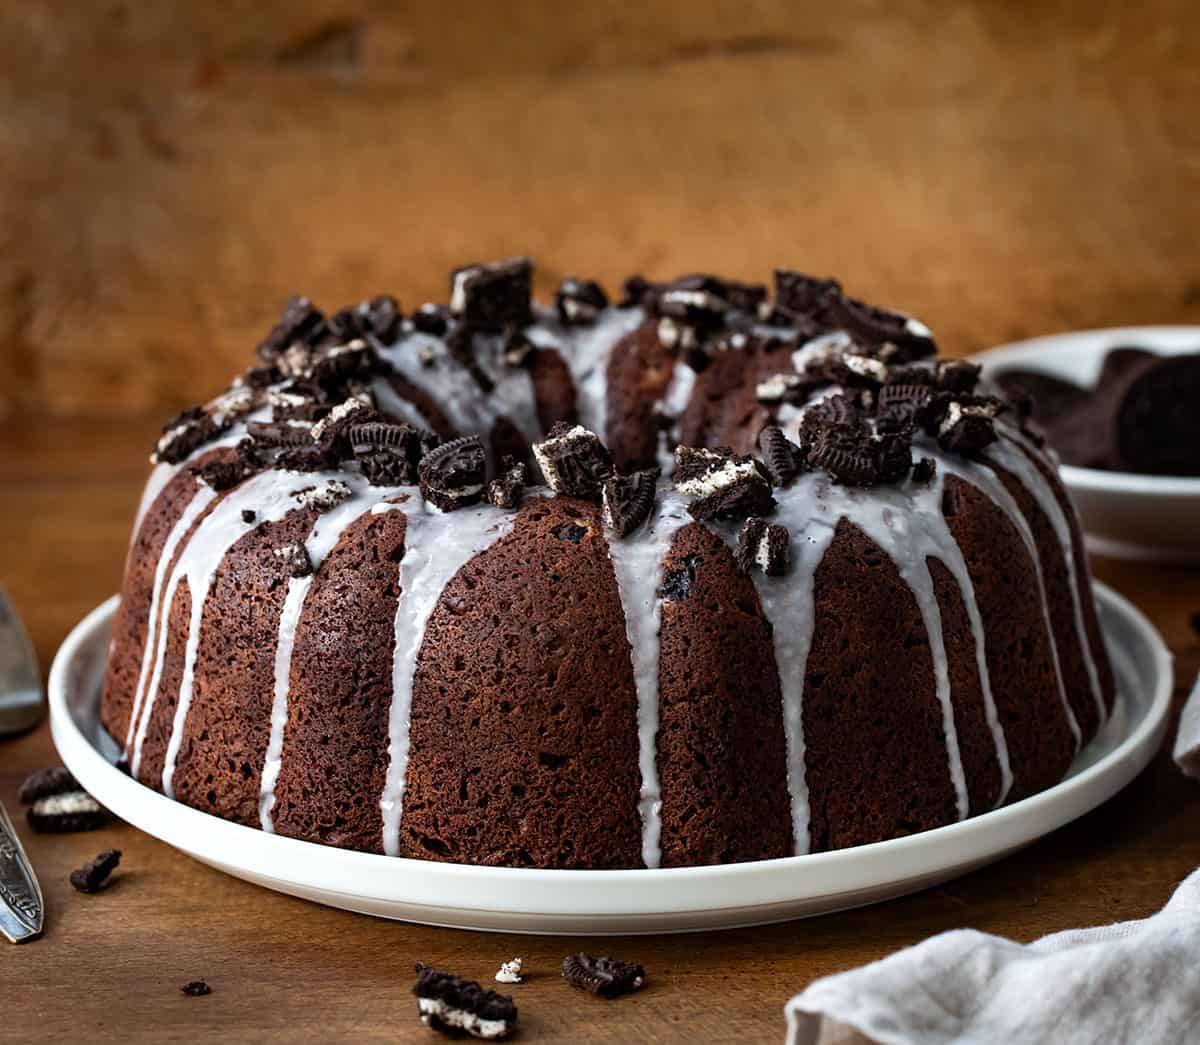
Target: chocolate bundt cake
702	577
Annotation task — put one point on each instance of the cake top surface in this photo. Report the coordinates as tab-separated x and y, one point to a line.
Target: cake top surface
854	394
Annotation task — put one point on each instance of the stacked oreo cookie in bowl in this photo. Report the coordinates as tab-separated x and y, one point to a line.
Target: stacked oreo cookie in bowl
713	573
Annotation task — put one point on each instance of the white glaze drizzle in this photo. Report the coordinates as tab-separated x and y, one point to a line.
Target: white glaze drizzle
586	351
450	384
989	484
326	533
270	496
1012	453
674	402
202	497
638	565
436	546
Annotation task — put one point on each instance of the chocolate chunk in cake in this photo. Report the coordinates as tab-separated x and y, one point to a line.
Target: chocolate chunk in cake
628	500
452	1005
295	559
606	977
93	875
765	545
452	475
780	456
506	490
491	297
677	582
45	782
573	461
579	301
65	813
196	989
726	485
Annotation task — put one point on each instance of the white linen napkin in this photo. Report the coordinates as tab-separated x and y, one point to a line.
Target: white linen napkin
1128	982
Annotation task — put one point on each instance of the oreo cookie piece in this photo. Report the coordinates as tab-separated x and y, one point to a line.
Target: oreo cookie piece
924	470
385	468
780	456
224	473
506	490
326	497
783	388
431	319
46	782
638	292
331	434
286	432
301	321
295	559
452	1005
304	459
726	485
66	812
967	429
957	375
677	583
803	295
93	875
493	296
696	300
579	301
604	977
628	500
765	545
516	348
196	989
573	461
184	434
452	475
880	326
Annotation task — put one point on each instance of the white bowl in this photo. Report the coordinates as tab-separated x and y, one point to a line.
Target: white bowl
619	902
1127	516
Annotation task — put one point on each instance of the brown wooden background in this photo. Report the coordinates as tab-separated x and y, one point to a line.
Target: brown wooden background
169	172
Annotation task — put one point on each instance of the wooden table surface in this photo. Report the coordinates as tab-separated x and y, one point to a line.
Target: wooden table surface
170	172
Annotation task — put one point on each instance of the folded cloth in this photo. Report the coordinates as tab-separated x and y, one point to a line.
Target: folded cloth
1129	982
1187	740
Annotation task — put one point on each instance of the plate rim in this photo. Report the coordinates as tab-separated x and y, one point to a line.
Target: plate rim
664	892
1100	480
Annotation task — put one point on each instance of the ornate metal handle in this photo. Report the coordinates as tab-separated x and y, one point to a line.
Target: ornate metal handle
21	906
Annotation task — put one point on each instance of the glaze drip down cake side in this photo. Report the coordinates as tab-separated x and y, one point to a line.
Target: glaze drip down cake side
705	576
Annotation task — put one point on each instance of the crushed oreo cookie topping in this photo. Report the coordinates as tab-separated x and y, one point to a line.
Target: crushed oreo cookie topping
605	977
725	485
295	559
430	319
196	989
573	461
765	545
780	456
506	490
493	296
579	301
628	500
967	429
510	972
66	812
184	434
924	470
324	498
93	876
452	1005
452	475
45	782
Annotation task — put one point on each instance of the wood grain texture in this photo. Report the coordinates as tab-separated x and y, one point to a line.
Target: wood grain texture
170	175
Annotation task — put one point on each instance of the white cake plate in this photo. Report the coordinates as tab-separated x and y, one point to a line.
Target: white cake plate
619	902
1152	518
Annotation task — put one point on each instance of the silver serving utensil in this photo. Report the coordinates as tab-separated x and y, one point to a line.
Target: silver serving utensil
21	700
21	906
